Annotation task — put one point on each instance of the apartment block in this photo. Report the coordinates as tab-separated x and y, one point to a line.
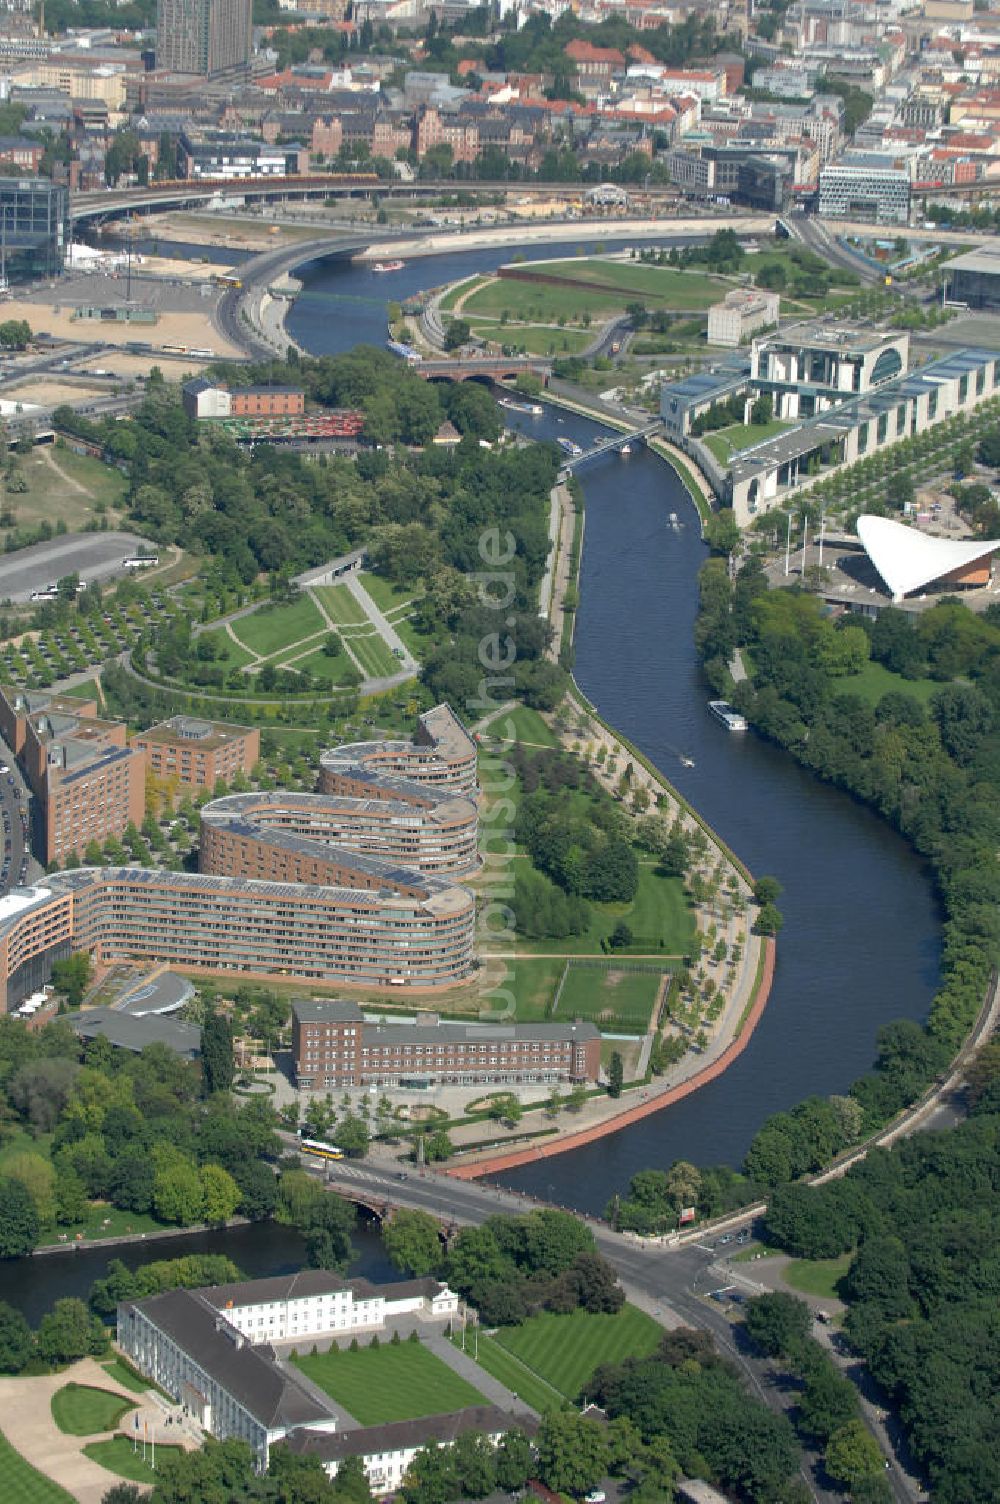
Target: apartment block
194	753
88	782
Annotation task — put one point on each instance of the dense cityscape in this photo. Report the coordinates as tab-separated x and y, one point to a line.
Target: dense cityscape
499	751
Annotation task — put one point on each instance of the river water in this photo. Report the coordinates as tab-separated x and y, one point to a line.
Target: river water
860	944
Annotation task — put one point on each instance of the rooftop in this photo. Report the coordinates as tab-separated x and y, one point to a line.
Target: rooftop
306	1283
134	1031
400	1435
182	729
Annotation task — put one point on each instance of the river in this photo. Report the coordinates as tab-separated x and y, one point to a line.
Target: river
860	944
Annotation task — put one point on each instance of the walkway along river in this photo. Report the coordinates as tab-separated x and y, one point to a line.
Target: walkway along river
860	944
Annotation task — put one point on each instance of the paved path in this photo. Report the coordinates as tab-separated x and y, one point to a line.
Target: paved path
467	1368
26	1421
383	626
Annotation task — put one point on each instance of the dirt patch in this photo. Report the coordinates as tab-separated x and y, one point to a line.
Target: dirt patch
53	317
52	393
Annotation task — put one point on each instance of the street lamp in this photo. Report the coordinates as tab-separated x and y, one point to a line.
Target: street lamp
788	543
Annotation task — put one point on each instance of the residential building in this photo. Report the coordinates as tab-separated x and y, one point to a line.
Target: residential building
88	782
333	1046
740	314
208	37
188	752
878	189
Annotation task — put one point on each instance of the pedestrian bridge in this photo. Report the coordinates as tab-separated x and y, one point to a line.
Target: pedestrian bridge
618	441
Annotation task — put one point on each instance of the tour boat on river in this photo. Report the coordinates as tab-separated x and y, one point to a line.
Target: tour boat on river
388	266
730	718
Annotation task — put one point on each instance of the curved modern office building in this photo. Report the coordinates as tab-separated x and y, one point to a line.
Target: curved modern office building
354	889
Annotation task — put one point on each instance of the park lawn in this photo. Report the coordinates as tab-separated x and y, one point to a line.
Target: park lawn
21	1483
377	661
339	604
271	628
104	482
92	1225
619	1001
333	670
875	680
401	1381
386	594
88	690
533	982
818	1276
659	912
511	1372
228	652
459	290
667	286
726	442
117	1455
537	339
541	303
565	1350
522	724
123	1374
80	1410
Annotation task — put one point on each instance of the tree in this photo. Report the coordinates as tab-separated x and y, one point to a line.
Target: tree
178	1194
853	1456
123	1493
69	1332
412	1240
17	1342
351	1485
353	1136
616	1074
769	920
572	1452
766	890
39	1179
514	1461
217	1063
71	977
778	1323
19	1224
431	1477
457	333
220	1194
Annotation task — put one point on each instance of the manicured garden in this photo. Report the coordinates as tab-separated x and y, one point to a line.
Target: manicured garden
562	1352
725	442
511	1372
339	604
394	1381
124	1375
21	1484
122	1456
621	1001
80	1410
269	629
522	724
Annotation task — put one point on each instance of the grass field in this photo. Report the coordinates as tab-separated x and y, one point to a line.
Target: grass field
339	604
624	281
272	628
85	691
565	1350
401	1382
459	290
522	724
666	286
122	1374
21	1483
620	1001
377	661
104	482
92	1225
512	1373
117	1456
333	670
386	594
80	1410
728	441
659	911
226	650
818	1276
875	680
537	339
533	982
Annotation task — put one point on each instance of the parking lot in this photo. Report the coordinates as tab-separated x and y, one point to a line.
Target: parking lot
93	556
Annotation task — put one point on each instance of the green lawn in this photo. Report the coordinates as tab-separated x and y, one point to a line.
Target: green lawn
273	627
377	661
875	680
659	911
538	302
117	1455
85	691
666	286
80	1410
123	1374
339	604
565	1350
522	724
459	290
619	1001
391	1382
231	653
729	441
537	339
818	1276
104	482
533	981
21	1483
386	594
512	1373
92	1225
333	670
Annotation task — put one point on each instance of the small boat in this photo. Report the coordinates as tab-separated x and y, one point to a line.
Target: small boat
568	447
687	762
730	718
625	449
534	408
388	266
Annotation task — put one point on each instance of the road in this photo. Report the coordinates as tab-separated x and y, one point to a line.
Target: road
671	1284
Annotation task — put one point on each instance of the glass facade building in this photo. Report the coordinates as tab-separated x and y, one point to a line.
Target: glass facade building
34	227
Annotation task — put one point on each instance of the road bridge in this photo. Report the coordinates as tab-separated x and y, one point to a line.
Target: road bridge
483	368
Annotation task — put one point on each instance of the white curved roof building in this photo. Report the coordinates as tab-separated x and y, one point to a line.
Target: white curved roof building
908	561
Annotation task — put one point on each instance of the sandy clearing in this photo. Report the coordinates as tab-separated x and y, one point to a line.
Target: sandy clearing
190	328
51	393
